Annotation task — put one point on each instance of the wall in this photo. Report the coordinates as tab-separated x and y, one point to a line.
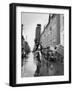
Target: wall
4	45
51	33
62	30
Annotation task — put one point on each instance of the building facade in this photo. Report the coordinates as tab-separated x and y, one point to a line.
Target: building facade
38	32
62	30
51	36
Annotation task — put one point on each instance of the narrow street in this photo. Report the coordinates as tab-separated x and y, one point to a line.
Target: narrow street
47	68
29	66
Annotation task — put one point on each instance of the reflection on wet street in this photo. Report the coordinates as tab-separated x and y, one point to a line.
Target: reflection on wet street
29	66
32	67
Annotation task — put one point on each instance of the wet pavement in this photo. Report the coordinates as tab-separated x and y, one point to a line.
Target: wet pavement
29	68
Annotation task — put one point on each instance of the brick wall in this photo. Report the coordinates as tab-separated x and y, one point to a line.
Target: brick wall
51	34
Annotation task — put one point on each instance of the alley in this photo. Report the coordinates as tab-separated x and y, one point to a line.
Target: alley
45	68
29	66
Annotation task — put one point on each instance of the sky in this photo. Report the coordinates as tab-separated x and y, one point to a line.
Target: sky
30	21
